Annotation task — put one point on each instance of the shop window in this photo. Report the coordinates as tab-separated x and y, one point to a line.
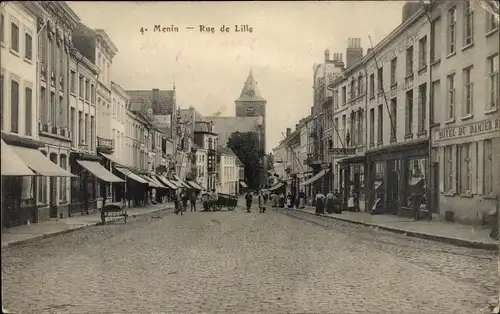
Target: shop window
42	187
488	168
62	180
416	179
465	169
448	169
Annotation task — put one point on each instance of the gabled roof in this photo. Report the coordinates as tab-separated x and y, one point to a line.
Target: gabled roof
225	150
250	92
141	98
225	126
190	115
204	126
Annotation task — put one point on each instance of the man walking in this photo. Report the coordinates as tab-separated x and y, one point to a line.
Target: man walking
262	202
248	199
192	200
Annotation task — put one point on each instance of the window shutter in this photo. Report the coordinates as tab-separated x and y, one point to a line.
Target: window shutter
456	167
480	168
442	168
474	169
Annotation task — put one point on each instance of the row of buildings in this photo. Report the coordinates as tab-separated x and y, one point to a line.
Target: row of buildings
418	110
73	140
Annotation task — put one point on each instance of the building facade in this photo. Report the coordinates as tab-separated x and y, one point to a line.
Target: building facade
465	98
205	139
201	167
228	172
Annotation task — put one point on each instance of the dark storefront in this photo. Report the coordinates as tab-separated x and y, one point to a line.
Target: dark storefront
84	187
136	188
352	179
394	173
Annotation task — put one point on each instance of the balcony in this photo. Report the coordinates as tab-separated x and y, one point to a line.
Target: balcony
83	147
105	144
314	159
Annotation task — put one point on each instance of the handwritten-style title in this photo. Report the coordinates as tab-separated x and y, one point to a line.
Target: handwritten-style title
204	29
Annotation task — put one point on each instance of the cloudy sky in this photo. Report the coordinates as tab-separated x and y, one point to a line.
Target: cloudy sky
210	68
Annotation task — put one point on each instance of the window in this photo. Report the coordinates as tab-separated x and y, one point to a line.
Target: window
394	66
344	129
435	30
352	89
435	100
409	61
2	18
360	85
14	37
53	109
409	112
72	83
42	188
372	85
393	118
422	52
493	82
360	128
1	101
62	180
372	126
488	168
336	99
353	132
468	91
380	78
492	23
465	168
468	23
87	90
42	51
87	130
72	127
380	125
452	27
81	86
450	101
422	107
344	96
448	169
92	93
28	99
80	127
14	112
28	46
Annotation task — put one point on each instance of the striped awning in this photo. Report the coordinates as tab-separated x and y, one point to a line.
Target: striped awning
275	187
195	185
129	174
99	171
39	163
167	183
11	164
112	158
315	177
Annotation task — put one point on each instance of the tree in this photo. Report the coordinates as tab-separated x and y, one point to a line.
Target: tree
247	147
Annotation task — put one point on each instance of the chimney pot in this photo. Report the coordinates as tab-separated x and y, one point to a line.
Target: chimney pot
288	132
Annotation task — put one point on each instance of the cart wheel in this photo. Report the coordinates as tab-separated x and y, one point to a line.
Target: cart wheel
230	208
219	207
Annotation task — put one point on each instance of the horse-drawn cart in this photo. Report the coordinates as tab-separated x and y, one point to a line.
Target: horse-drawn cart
228	201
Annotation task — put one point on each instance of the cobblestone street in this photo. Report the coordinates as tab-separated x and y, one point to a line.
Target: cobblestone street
235	262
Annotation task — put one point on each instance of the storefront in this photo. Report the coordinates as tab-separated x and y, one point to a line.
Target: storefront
21	204
393	173
136	188
465	157
352	179
91	182
317	183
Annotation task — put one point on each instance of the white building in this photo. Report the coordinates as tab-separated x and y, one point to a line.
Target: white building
119	101
228	172
201	167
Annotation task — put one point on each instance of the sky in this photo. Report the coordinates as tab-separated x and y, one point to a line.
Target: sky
209	69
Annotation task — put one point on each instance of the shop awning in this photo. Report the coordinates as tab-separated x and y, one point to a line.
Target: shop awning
167	183
180	182
11	164
377	184
415	181
129	174
99	171
195	185
315	177
155	180
151	182
39	163
112	158
275	187
243	184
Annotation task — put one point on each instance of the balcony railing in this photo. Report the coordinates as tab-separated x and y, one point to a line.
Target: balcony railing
105	144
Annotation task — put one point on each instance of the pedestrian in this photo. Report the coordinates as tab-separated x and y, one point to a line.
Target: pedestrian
248	199
416	201
192	200
282	200
184	199
262	202
302	199
177	204
320	203
329	202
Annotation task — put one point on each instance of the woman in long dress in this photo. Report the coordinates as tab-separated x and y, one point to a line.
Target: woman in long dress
329	202
320	203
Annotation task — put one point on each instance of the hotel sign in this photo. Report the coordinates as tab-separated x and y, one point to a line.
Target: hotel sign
477	128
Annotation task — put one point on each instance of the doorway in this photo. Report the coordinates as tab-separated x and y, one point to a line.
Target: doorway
53	190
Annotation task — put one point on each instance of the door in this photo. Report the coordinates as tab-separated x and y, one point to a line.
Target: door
435	188
53	190
393	186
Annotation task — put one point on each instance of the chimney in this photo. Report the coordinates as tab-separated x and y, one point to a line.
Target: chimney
409	9
354	52
327	55
296	126
288	132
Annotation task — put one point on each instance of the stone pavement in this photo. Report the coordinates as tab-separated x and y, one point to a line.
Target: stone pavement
235	262
33	232
457	234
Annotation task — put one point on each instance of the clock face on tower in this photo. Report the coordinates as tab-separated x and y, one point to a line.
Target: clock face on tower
250	111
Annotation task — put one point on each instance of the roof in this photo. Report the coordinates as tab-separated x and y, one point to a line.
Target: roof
250	92
139	99
225	126
190	115
204	126
225	150
238	161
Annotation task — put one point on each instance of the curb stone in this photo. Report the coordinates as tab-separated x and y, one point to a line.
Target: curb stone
415	234
53	234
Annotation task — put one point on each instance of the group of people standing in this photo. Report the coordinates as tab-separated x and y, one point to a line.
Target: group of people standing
262	198
181	199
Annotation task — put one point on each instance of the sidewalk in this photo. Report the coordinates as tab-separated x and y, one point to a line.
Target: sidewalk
457	234
33	232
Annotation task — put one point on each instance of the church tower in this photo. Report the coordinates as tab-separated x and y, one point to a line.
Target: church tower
252	104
